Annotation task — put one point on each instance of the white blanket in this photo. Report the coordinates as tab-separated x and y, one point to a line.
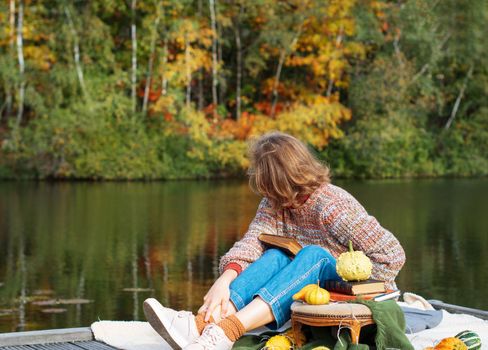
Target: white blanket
450	325
135	335
131	335
128	335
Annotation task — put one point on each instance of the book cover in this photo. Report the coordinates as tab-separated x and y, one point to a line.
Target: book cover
356	288
289	245
390	294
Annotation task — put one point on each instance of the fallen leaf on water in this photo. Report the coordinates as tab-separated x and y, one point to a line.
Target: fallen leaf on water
31	298
43	292
5	312
54	310
137	289
62	302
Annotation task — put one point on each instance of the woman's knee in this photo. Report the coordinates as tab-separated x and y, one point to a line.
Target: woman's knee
314	250
275	254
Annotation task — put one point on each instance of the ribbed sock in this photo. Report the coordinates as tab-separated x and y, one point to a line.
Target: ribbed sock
200	321
233	328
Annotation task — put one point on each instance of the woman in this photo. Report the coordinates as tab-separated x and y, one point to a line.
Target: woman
256	286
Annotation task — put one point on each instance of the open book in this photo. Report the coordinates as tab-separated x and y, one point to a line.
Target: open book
289	245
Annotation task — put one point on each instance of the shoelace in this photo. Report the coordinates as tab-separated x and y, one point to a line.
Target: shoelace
182	314
210	337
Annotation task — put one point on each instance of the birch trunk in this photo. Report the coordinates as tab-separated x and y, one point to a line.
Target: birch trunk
221	82
8	87
164	80
276	83
281	61
188	72
151	61
338	42
239	66
459	98
20	54
76	52
133	29
214	54
200	73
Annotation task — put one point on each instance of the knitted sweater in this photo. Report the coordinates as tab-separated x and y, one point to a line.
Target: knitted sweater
330	217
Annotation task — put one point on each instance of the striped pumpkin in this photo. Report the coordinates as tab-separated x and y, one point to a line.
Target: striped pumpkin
471	339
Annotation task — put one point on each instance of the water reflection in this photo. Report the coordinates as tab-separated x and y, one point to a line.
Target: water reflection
118	243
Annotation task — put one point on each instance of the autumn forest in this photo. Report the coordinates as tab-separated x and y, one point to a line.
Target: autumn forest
172	89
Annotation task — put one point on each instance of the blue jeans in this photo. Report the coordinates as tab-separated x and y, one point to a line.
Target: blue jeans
275	278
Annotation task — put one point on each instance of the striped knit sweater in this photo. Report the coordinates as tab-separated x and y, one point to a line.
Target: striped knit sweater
330	217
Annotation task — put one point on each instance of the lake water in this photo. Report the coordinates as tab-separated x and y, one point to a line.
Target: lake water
115	244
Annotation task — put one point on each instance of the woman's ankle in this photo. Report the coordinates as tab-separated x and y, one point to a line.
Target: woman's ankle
200	322
232	327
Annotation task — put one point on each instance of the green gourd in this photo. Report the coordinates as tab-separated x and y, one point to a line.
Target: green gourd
471	339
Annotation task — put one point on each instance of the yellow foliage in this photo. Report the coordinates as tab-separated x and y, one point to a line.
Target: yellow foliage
231	154
192	54
40	56
325	45
198	125
315	123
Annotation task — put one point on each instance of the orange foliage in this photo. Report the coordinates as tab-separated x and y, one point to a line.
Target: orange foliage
236	129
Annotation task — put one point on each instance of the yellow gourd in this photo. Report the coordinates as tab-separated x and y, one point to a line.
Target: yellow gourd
451	343
317	296
301	294
278	342
321	348
353	265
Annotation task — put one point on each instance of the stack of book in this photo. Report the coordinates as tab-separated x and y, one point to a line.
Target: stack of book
339	290
368	290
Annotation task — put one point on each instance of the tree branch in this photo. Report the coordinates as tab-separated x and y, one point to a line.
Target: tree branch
459	98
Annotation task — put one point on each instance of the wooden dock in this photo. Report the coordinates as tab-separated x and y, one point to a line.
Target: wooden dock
82	338
79	345
53	339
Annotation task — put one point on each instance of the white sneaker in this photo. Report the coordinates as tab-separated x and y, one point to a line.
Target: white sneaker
212	338
178	328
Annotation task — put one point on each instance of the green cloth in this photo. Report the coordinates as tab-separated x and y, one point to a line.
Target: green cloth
390	324
389	331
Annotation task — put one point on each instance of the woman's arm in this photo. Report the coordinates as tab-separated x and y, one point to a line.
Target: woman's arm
218	295
243	253
345	219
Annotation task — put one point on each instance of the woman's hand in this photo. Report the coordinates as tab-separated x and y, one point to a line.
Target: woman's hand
218	295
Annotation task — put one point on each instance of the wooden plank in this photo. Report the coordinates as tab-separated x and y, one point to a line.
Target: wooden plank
93	345
46	336
456	309
86	345
54	346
